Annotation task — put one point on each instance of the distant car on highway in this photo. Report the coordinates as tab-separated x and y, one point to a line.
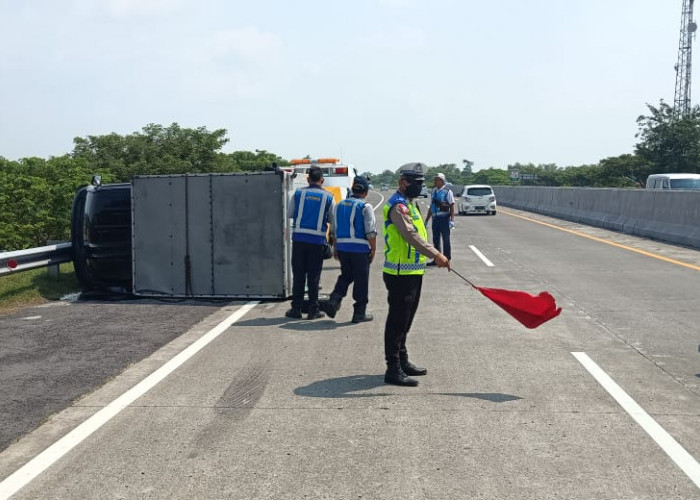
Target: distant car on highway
385	187
424	192
477	199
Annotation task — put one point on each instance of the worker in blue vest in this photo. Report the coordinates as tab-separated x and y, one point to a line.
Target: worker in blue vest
355	235
311	208
442	210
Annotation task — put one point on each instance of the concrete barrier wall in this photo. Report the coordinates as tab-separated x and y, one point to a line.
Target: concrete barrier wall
672	216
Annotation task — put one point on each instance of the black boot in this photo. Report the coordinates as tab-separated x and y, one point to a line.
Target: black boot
361	318
410	369
395	376
331	306
314	313
293	313
359	315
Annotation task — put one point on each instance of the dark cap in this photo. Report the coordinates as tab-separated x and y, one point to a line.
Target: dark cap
361	183
414	171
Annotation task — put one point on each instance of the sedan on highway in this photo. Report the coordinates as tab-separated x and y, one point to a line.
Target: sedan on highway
477	199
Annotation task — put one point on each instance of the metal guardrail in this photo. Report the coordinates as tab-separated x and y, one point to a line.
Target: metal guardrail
32	258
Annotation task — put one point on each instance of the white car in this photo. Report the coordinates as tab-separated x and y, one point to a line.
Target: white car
477	199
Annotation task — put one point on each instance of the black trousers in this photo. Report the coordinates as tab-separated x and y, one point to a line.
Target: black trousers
403	298
307	262
354	268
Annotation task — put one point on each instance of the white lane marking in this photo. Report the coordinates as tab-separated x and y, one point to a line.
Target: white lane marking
22	476
481	256
381	202
673	449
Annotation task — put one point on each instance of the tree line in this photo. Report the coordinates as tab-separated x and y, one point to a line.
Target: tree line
36	194
667	142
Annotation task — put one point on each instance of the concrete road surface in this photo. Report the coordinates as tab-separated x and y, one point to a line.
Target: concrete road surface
601	402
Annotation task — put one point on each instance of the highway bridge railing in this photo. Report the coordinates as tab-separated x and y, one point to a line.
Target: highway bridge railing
672	216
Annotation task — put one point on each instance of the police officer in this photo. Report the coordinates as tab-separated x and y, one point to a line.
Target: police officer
311	208
355	234
404	265
442	210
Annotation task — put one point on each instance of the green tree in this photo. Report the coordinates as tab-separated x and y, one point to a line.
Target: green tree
492	176
154	150
387	177
467	167
452	174
36	197
624	171
24	204
582	176
668	141
247	161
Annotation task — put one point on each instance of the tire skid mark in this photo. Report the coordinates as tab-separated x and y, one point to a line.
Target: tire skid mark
246	389
233	407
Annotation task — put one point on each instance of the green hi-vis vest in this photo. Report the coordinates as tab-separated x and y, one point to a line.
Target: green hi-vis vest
400	258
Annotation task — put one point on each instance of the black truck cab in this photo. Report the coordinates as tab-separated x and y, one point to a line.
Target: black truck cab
101	237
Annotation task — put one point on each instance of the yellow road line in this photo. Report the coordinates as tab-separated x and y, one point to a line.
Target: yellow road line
601	240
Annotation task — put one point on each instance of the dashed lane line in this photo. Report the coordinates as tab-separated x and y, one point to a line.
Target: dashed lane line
684	460
481	256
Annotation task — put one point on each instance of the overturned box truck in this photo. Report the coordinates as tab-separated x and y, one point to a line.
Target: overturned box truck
189	235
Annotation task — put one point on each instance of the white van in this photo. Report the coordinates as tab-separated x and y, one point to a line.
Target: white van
673	181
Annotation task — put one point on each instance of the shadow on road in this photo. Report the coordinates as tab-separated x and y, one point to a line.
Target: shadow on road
295	324
343	387
494	397
352	385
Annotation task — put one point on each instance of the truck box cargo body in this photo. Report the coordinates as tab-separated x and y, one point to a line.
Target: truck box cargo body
211	235
199	235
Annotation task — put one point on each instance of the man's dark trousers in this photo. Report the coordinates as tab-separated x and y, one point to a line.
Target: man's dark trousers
403	298
441	229
354	268
307	262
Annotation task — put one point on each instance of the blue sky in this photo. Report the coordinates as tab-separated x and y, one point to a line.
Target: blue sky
376	82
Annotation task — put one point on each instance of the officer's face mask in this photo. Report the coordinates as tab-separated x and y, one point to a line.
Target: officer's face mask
414	188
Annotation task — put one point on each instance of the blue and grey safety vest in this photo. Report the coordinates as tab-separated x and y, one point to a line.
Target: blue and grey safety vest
438	198
312	205
350	226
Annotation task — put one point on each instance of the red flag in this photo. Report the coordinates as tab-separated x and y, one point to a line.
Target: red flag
530	310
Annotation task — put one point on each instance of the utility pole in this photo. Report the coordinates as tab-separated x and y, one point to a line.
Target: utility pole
681	97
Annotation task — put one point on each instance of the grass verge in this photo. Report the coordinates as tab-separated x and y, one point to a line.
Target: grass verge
27	288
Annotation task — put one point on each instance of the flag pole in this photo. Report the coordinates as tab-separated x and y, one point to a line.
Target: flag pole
465	279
